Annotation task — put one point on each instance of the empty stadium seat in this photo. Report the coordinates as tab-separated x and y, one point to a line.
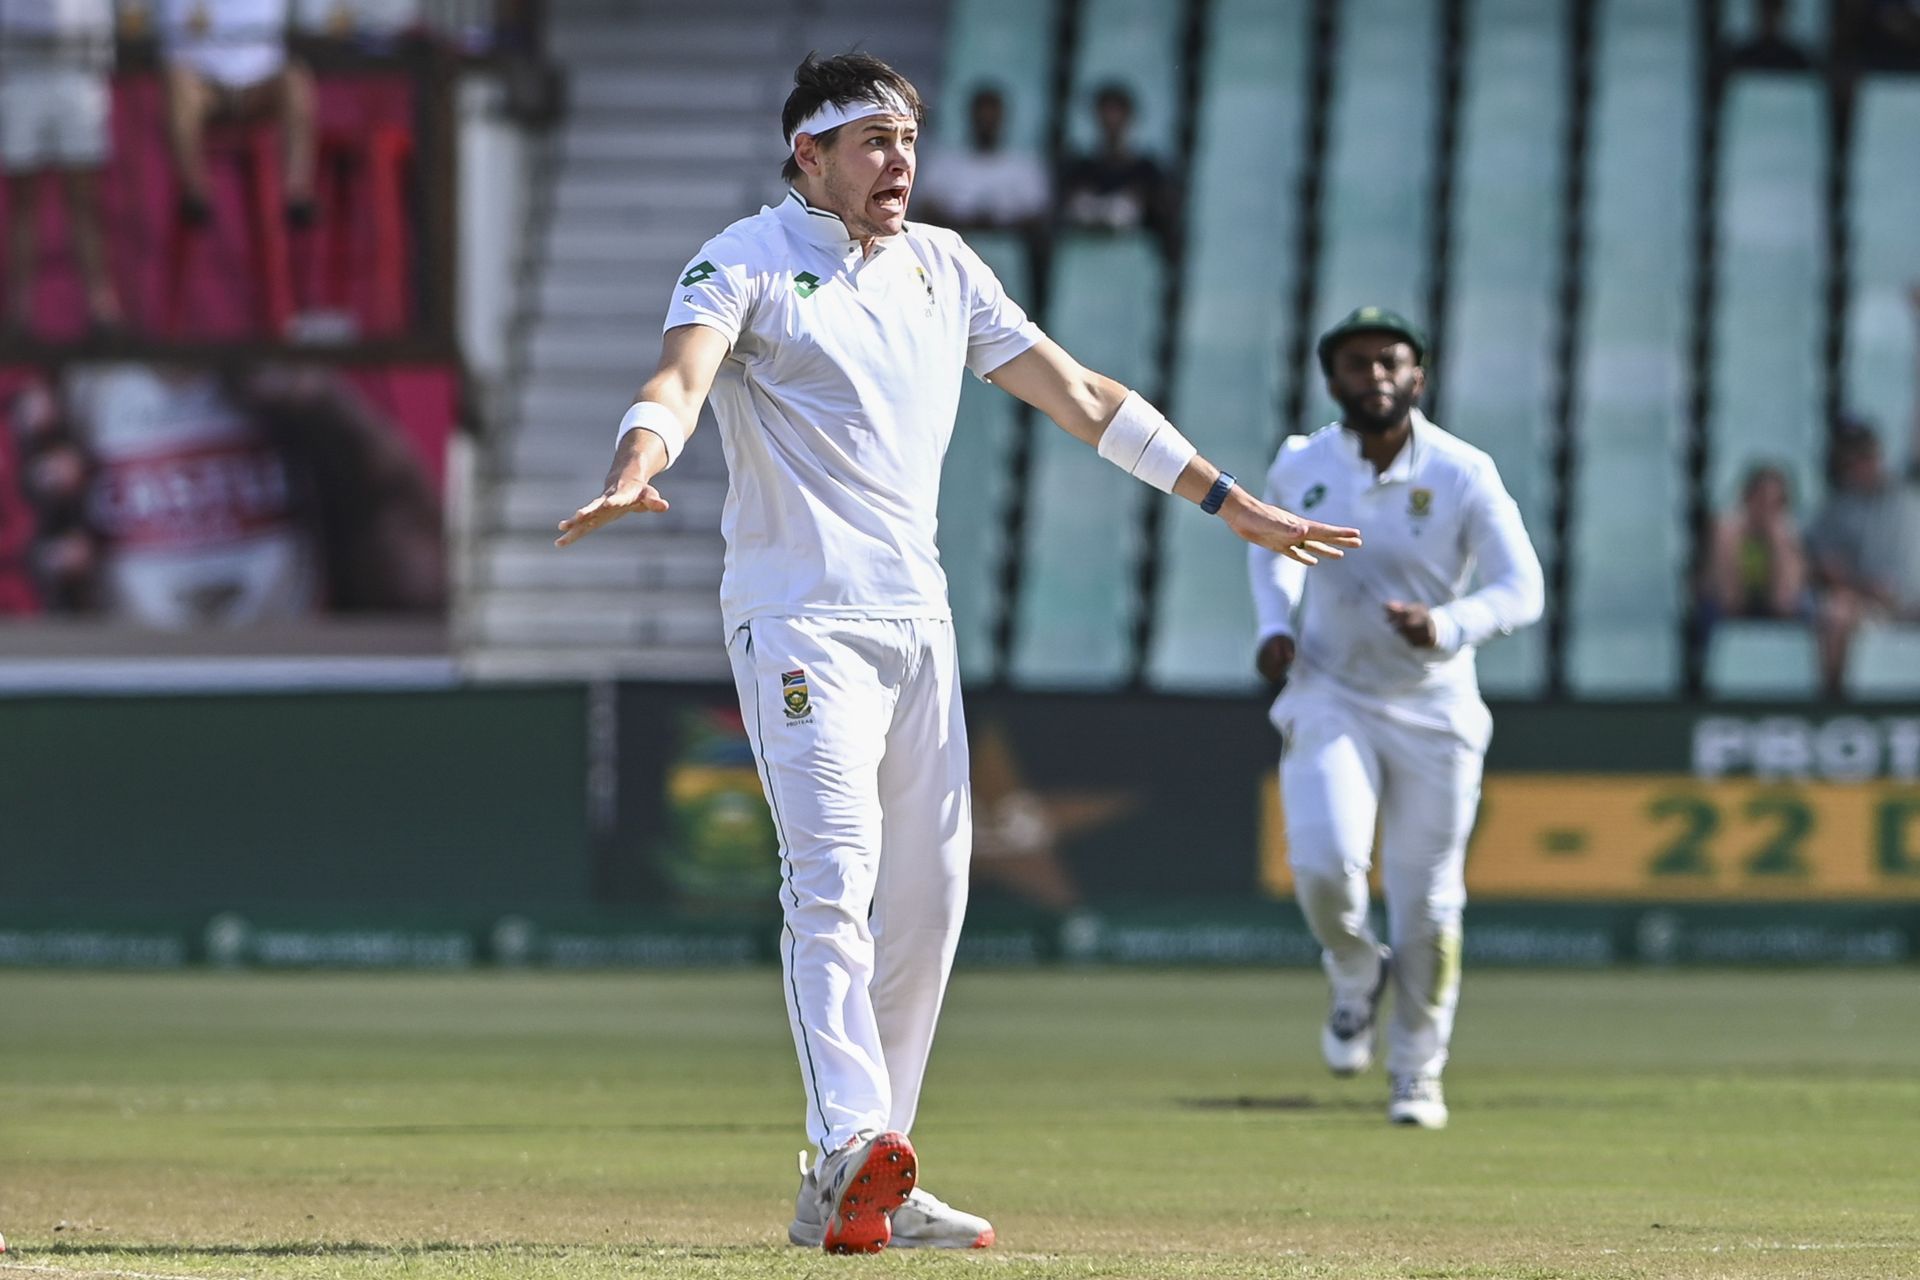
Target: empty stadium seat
1885	662
1629	544
1497	366
1885	262
1234	324
1771	294
1081	549
1762	660
1376	201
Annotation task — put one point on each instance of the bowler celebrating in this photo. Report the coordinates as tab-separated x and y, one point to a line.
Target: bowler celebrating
1381	719
832	335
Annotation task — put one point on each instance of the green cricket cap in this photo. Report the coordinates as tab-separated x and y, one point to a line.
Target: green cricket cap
1373	320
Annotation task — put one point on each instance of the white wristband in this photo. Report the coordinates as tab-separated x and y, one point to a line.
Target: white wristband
650	415
1142	443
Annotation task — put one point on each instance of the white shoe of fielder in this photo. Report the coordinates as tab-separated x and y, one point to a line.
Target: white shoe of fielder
1346	1041
922	1222
1417	1100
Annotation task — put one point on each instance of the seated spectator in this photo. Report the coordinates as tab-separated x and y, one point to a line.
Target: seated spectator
1757	564
1116	188
1770	48
227	61
1866	551
56	57
984	185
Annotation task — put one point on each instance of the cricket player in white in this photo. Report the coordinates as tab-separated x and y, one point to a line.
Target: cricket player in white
1380	718
832	335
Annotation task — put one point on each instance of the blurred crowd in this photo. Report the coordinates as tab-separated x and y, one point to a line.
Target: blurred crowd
1857	562
986	184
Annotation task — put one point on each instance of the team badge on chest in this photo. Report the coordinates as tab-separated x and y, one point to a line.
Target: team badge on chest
793	692
1420	502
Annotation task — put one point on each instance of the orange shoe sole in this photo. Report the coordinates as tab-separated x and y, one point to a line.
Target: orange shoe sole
859	1223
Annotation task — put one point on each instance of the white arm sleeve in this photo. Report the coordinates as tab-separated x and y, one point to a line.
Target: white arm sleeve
1277	581
1512	593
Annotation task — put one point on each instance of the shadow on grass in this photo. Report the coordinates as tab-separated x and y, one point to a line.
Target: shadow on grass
1279	1102
361	1248
495	1130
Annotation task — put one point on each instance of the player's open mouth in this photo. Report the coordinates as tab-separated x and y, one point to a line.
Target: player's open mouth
892	199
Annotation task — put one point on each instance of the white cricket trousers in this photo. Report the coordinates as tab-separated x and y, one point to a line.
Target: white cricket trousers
862	748
1347	767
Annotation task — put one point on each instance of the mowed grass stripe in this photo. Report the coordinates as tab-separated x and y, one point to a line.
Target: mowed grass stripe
1117	1123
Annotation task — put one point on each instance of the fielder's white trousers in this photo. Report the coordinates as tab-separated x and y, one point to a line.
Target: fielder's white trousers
1347	767
857	729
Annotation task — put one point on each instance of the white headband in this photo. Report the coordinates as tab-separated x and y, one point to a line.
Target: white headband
884	101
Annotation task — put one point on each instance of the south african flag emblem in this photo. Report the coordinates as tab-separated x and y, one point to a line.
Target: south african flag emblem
793	692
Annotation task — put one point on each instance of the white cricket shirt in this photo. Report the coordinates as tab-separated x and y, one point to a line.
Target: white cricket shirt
1431	521
836	405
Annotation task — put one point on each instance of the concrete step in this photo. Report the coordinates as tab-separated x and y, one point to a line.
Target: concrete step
650	143
663	562
706	661
599	618
536	504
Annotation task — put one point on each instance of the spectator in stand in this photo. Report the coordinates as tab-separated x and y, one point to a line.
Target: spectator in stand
1770	48
56	57
1757	564
227	60
1866	556
1116	188
985	185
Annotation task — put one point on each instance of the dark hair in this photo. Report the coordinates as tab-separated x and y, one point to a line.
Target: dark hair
1114	91
1761	472
843	78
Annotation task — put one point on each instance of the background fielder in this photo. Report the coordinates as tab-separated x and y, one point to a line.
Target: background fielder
832	335
1381	718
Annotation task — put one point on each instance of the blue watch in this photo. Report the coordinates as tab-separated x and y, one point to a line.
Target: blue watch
1218	494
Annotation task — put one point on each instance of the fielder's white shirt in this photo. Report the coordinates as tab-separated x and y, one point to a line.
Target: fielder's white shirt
836	405
1432	520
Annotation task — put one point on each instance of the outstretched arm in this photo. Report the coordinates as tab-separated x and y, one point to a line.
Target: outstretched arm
690	356
1086	405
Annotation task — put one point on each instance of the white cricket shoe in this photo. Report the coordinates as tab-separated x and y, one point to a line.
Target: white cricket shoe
922	1222
1346	1041
855	1192
1417	1100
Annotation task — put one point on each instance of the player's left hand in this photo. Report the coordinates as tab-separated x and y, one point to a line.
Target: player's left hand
1414	622
1307	541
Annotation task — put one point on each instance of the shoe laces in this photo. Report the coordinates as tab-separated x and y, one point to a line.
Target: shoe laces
1416	1089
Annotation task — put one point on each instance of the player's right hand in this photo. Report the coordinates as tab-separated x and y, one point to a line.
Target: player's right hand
1296	538
1275	659
618	500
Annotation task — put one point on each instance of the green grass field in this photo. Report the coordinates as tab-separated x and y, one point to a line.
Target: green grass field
1111	1123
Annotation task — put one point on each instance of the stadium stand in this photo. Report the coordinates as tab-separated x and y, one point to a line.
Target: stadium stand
1769	306
1497	367
975	487
1082	545
1240	269
1364	151
1884	265
1009	44
670	136
1630	411
1376	203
